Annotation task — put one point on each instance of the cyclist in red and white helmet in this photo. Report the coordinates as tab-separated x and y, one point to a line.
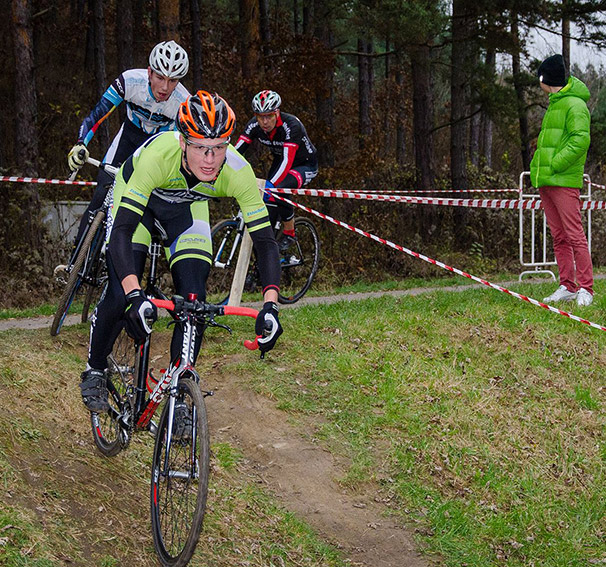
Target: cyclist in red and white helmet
152	98
295	163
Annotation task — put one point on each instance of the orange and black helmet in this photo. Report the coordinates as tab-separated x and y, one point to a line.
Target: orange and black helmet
205	115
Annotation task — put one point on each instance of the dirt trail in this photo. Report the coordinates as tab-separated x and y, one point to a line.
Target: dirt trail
302	476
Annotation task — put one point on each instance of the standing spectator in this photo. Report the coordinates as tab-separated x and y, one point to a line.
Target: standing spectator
557	171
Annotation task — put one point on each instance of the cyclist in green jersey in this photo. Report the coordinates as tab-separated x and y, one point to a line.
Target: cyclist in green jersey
169	180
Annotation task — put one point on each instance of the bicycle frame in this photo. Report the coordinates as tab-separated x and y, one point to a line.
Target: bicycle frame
144	408
239	235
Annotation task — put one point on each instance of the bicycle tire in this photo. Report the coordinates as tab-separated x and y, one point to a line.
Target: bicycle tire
178	495
94	291
218	284
109	433
74	281
300	262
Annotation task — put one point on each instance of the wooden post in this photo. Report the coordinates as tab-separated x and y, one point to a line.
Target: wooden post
237	285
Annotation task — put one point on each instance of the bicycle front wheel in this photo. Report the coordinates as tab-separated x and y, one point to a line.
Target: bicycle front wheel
97	283
226	244
300	262
179	481
110	429
74	281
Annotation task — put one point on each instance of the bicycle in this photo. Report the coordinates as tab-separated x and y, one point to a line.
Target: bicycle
181	456
299	264
86	266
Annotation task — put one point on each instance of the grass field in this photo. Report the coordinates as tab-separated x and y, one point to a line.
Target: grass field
474	417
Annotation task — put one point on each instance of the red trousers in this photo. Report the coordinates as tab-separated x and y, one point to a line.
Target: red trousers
562	208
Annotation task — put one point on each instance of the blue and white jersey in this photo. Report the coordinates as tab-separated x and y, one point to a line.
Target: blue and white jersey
143	111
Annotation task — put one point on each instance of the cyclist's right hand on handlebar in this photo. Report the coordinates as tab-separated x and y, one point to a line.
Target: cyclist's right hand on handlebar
267	327
139	315
77	156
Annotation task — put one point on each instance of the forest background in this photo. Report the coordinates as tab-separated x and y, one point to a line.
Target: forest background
396	95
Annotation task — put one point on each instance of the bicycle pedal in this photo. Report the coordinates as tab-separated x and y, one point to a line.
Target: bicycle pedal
153	428
207	393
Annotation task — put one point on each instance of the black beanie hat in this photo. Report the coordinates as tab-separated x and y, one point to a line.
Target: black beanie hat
552	71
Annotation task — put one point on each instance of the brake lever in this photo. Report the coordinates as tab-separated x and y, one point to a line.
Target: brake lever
213	323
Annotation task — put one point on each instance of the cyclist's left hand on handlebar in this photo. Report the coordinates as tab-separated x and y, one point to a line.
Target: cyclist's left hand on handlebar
267	326
139	315
77	156
267	195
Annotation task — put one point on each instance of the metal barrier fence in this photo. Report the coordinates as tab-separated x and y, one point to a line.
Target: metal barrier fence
535	238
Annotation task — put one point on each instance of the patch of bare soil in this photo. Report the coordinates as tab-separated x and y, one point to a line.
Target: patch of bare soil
303	478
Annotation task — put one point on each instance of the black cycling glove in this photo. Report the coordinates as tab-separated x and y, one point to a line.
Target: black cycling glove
267	327
139	315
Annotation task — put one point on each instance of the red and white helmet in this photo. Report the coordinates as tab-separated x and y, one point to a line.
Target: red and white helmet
266	101
169	59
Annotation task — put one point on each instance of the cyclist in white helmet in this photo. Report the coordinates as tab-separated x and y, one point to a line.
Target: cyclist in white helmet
152	98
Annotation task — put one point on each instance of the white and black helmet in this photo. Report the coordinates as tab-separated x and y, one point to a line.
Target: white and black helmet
169	59
266	101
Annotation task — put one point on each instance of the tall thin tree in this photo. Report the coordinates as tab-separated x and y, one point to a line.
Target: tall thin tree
196	44
99	59
26	135
250	46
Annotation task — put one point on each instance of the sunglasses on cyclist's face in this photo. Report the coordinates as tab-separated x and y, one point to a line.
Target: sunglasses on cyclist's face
218	148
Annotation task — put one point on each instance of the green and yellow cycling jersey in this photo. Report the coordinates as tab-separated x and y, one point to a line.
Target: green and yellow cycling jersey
152	187
156	169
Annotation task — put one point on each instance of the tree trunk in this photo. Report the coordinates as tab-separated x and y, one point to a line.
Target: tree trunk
519	89
325	96
474	135
168	20
388	99
364	91
250	47
486	124
124	34
26	136
308	17
459	94
100	74
295	17
197	66
422	106
265	31
462	33
400	112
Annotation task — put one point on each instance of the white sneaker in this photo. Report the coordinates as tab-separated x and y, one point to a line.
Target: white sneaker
584	298
561	294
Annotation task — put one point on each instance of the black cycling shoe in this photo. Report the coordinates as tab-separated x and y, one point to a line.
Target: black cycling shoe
182	422
94	390
285	243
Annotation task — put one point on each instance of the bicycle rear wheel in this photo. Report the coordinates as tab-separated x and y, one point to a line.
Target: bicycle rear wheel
109	429
179	480
300	262
74	281
218	285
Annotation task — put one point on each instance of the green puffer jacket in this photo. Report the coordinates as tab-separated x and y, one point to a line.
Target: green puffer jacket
564	139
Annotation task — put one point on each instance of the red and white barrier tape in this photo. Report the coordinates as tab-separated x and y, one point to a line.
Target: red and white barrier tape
512	204
413	192
442	265
45	181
